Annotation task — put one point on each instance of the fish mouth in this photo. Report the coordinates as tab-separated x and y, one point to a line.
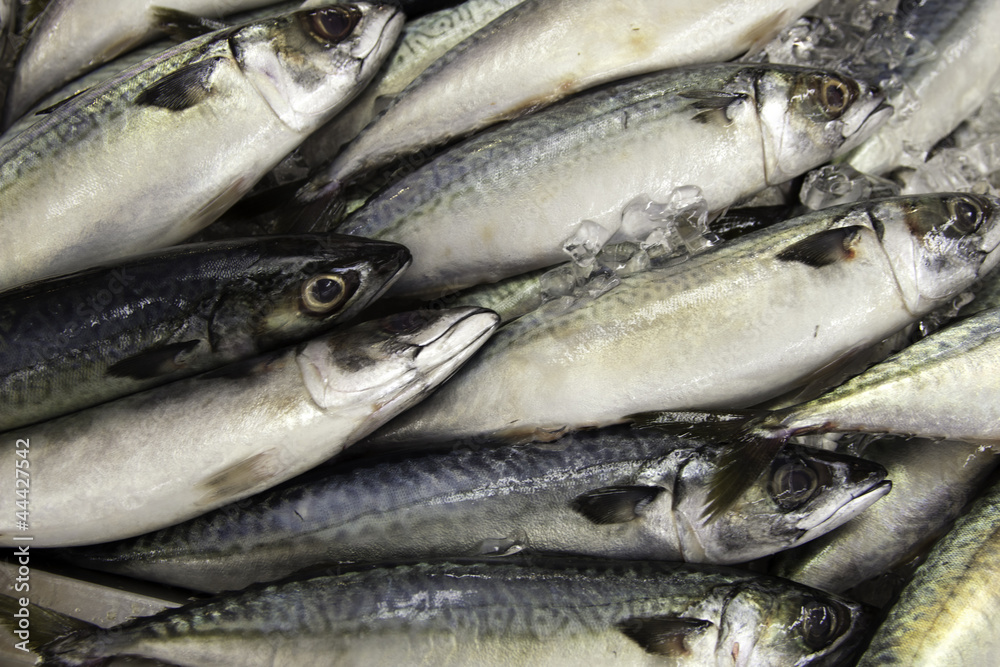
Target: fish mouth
444	350
848	510
862	124
991	234
441	355
383	42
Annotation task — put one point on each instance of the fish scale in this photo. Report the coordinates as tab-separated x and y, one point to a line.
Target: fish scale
534	612
96	335
500	203
199	443
85	184
618	494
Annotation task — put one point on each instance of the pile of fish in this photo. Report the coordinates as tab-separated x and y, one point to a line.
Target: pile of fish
501	332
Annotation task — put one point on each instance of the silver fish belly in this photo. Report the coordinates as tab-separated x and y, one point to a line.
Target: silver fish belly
616	494
148	158
544	50
947	614
943	386
539	613
423	41
946	87
168	454
931	483
74	36
501	203
728	328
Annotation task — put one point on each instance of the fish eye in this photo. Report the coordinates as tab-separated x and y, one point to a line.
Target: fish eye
822	623
321	294
333	25
404	323
965	218
794	483
834	94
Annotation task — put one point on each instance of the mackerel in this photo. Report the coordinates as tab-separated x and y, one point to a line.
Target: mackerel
74	36
729	328
614	494
423	41
940	91
149	157
537	613
943	386
931	483
542	51
508	200
948	613
168	454
72	342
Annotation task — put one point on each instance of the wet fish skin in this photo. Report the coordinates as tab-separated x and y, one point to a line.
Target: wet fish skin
71	342
932	482
81	187
168	454
111	69
947	614
615	494
729	129
519	295
423	41
940	387
729	328
74	36
947	87
542	51
539	613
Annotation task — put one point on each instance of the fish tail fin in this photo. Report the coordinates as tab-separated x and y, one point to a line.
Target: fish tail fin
718	425
42	631
317	211
741	463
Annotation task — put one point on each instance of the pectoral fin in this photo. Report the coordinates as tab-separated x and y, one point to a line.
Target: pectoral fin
181	89
664	635
824	248
154	363
714	106
615	504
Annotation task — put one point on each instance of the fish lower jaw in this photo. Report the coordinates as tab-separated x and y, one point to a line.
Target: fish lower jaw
847	512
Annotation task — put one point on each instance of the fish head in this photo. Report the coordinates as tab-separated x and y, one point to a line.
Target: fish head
937	244
773	622
382	367
309	64
805	493
305	284
809	116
